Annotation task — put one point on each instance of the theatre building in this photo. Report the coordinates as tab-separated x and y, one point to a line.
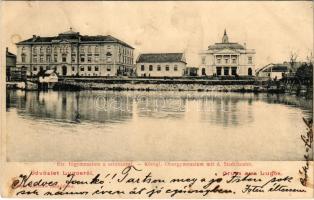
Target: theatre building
160	65
72	54
227	59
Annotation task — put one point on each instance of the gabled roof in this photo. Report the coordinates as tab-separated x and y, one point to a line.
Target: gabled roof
161	58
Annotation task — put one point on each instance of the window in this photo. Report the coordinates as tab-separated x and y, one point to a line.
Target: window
41	50
82	49
55	50
234	61
73	58
203	71
96	58
73	68
226	60
35	58
55	58
96	49
48	50
23	50
89	68
150	67
108	56
158	68
23	57
34	68
34	50
82	58
218	71
167	67
48	58
226	71
64	57
41	58
108	69
142	67
250	60
89	59
203	60
89	49
250	73
175	68
234	71
218	60
82	68
96	68
73	49
108	47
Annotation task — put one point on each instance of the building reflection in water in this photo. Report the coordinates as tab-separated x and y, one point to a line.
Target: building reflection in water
224	109
72	107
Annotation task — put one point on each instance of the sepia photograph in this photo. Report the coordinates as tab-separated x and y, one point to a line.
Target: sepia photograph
157	81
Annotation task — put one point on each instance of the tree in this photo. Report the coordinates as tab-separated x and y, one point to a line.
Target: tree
305	72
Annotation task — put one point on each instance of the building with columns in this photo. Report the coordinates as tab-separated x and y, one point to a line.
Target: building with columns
227	59
72	54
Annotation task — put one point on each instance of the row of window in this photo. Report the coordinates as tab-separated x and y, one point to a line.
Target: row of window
83	49
64	58
82	68
159	67
227	60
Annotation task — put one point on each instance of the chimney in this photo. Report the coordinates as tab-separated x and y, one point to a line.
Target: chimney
7	49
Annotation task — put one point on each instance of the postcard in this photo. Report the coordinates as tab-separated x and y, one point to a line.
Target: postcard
156	99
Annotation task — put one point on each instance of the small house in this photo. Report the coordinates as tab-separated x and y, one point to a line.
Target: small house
160	65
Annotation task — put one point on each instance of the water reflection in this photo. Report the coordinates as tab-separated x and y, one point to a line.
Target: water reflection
226	109
112	125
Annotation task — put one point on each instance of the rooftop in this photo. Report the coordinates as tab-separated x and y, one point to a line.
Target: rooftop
74	37
274	68
161	58
225	44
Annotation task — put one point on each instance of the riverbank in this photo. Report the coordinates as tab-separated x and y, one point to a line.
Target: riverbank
154	87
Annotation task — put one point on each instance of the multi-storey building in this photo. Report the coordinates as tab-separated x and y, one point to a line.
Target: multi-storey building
160	65
72	54
227	59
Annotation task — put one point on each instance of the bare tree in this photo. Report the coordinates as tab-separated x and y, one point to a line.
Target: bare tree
293	60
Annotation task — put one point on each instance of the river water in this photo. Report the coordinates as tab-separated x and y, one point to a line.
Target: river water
134	125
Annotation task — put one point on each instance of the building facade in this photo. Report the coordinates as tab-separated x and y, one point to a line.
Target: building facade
160	65
227	59
12	72
72	54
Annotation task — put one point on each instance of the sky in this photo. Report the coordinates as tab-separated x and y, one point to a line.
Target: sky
273	29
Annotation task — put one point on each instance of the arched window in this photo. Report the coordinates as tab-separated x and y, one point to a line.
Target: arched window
249	72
